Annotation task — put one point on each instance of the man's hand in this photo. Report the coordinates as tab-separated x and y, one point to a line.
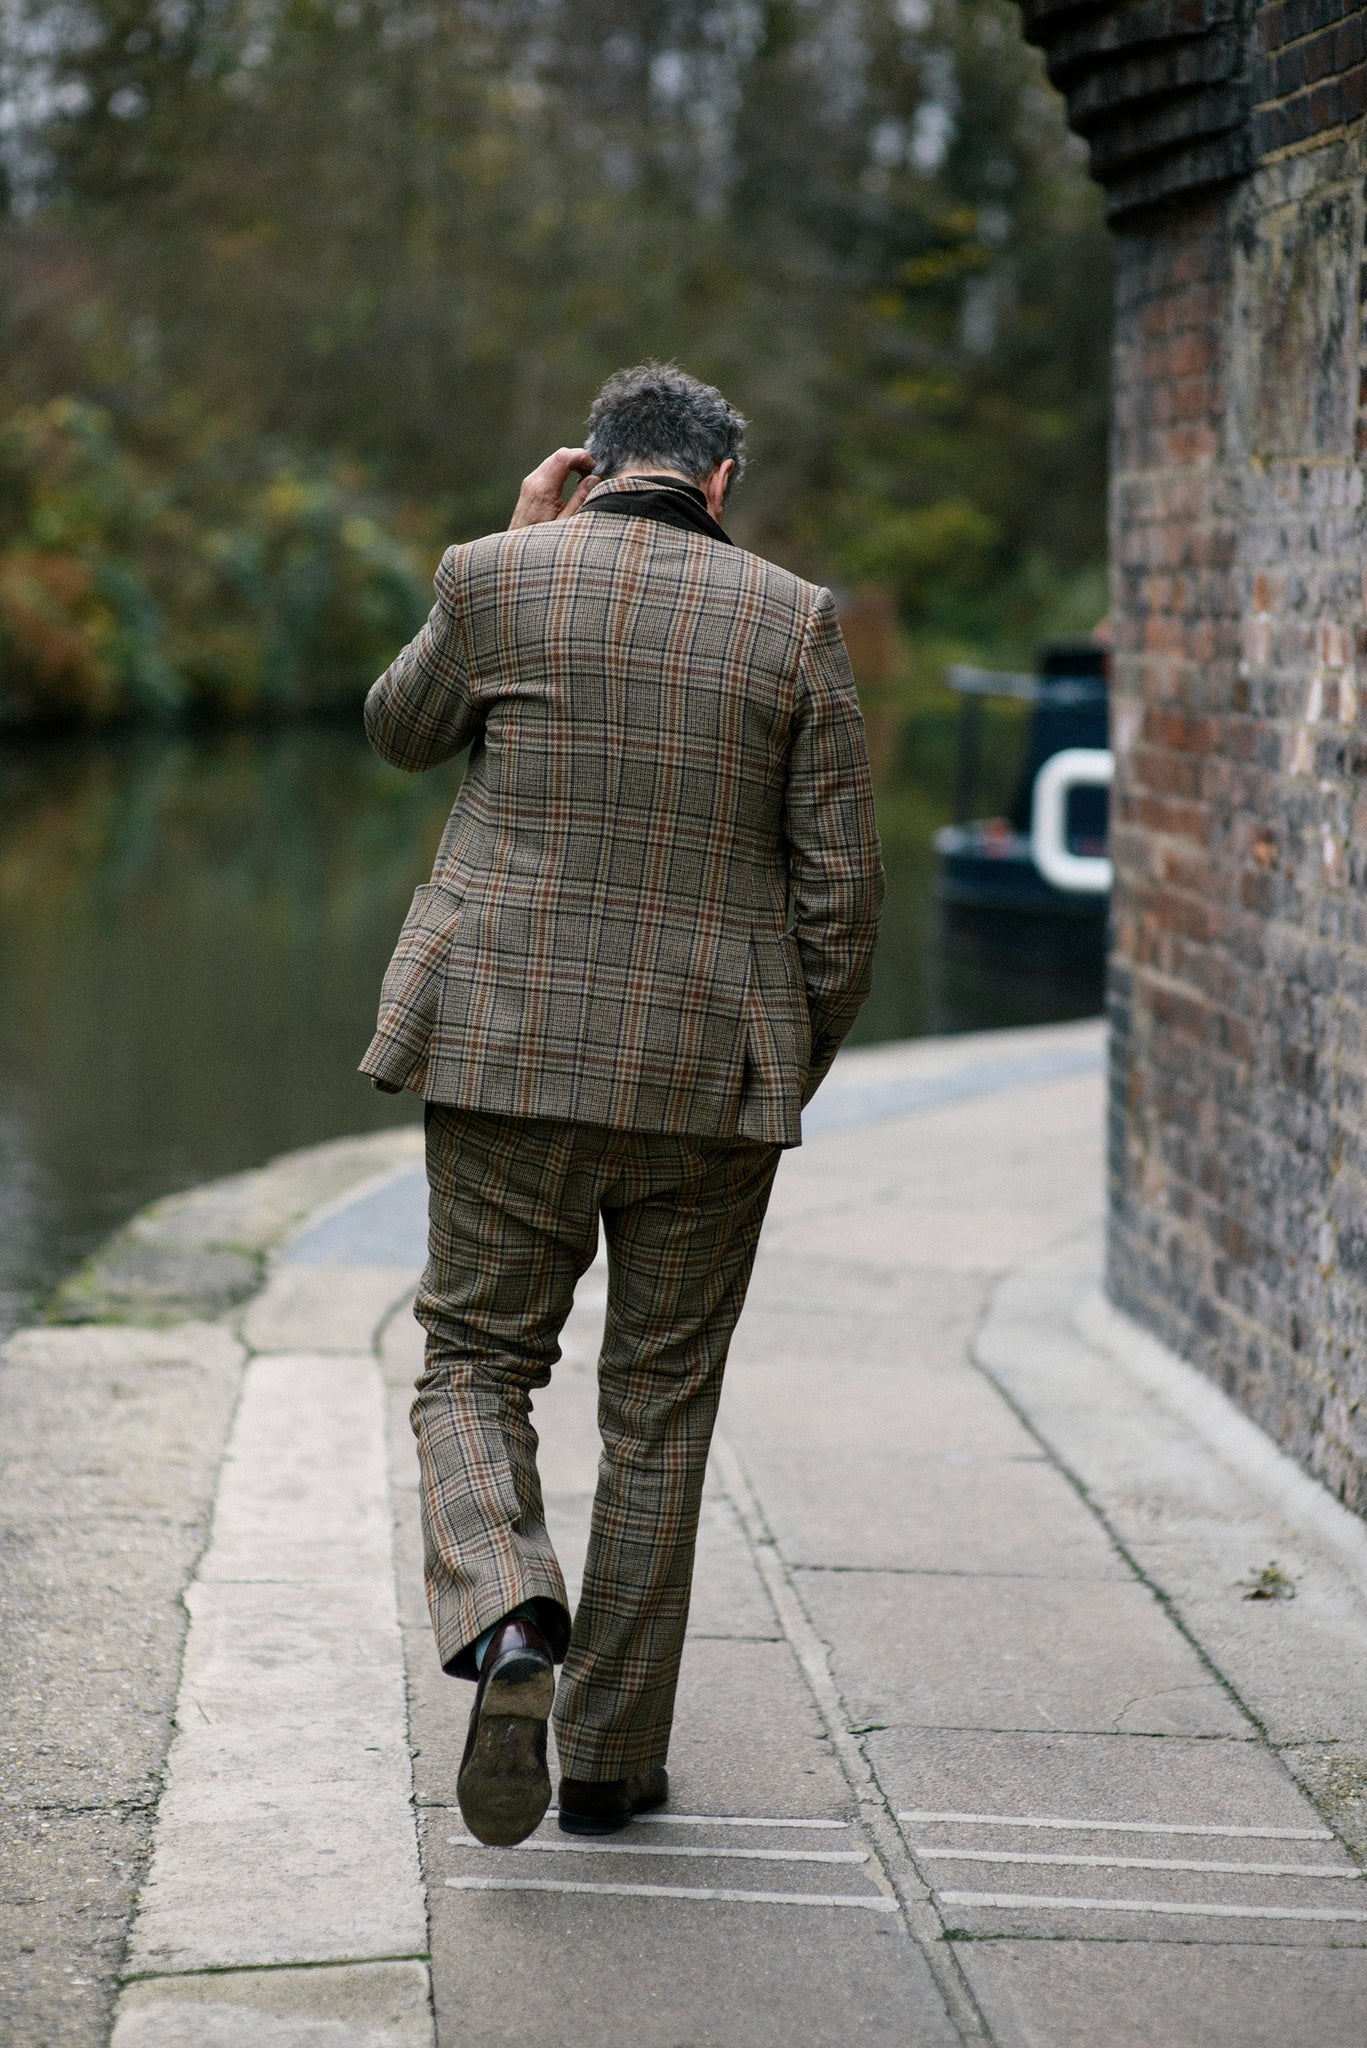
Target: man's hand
539	498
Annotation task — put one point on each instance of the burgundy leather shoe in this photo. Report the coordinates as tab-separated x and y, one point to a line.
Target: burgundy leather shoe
600	1806
504	1787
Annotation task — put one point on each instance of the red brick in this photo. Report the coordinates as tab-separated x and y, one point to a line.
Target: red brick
1240	945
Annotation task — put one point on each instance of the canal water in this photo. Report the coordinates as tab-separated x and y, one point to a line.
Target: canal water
192	934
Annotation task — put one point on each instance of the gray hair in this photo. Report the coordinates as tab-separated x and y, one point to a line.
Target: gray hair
657	413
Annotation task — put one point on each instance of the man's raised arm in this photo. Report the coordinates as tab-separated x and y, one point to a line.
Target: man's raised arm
421	712
835	864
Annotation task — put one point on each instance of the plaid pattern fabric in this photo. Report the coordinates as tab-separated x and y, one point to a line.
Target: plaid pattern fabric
655	904
514	1222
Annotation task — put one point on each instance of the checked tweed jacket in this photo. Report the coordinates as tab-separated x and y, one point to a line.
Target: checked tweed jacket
655	903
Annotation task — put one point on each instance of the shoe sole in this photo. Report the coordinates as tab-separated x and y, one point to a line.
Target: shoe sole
505	1787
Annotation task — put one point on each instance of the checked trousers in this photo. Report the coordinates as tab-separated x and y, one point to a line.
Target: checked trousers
514	1217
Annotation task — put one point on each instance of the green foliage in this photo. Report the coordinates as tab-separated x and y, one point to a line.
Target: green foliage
409	242
174	578
943	548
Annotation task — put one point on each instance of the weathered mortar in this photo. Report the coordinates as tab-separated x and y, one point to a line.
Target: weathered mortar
1238	1135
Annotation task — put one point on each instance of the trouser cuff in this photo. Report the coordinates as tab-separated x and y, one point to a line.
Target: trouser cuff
552	1618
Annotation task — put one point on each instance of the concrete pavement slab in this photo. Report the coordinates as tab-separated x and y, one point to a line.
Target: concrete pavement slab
1335	1776
323	1308
1136	1994
1055	1905
900	1237
729	1600
1300	1664
303	1494
613	1972
1230	1436
349	2005
1217	1825
993	1157
810	1863
748	1738
381	1223
871	1304
161	1382
1013	1516
787	1321
1169	1781
400	1351
874	1083
285	1834
780	1398
1013	1653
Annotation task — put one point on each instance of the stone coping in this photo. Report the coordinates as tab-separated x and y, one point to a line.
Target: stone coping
201	1254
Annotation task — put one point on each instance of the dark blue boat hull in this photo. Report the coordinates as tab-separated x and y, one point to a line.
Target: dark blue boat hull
986	868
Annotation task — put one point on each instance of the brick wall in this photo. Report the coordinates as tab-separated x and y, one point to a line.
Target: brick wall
1309	71
1238	1141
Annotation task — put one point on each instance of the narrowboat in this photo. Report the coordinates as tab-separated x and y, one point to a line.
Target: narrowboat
1047	858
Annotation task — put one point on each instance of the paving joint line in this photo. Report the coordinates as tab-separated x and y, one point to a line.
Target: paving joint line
917	1571
1161	1908
266	1969
394	1501
868	1902
893	1857
962	1937
18	1807
1088	1825
382	1328
1111	1734
701	1852
1190	1865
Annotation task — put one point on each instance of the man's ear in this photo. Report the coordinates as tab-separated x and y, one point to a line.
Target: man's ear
717	486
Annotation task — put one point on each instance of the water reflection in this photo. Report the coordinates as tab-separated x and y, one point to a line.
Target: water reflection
192	933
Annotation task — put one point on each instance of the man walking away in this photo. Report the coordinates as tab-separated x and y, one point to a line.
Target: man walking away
648	929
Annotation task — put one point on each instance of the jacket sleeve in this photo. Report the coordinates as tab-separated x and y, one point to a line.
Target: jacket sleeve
835	864
422	712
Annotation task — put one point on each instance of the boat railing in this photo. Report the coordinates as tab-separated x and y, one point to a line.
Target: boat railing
971	686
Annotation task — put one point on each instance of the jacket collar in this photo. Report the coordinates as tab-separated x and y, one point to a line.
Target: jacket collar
667	499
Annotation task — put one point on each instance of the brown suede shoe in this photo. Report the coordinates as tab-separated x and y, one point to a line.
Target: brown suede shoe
504	1787
600	1806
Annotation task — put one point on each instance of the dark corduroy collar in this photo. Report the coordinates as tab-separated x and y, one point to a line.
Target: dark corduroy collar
666	498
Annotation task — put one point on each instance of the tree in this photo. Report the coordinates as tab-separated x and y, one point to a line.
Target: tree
414	239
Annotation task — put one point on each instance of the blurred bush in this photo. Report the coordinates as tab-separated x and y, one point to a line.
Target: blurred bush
183	576
275	250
